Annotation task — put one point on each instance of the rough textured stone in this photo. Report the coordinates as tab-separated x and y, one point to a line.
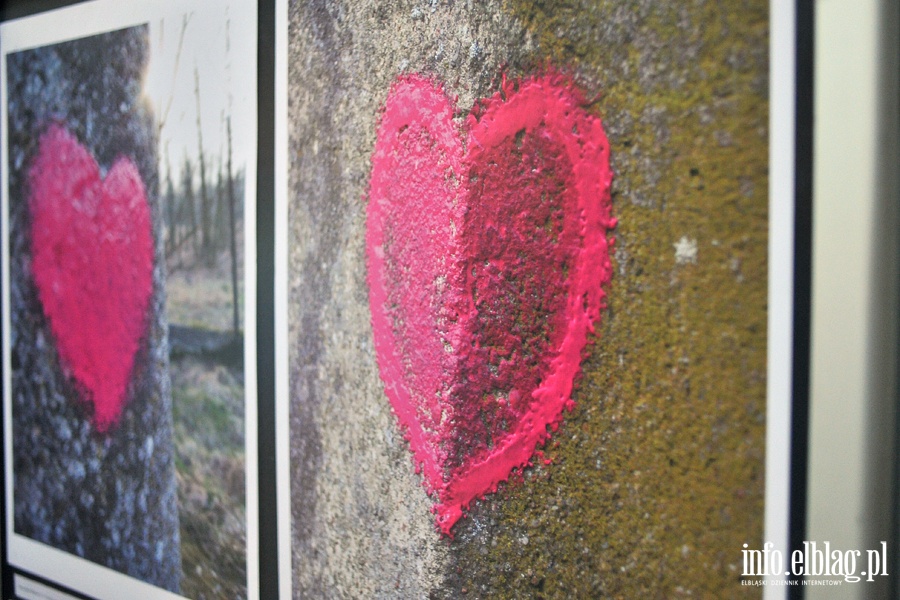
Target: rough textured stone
657	475
108	496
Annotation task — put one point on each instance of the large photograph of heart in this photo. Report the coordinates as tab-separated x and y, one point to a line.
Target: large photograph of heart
526	297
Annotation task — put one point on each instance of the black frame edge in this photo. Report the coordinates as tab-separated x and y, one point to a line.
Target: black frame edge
804	38
265	295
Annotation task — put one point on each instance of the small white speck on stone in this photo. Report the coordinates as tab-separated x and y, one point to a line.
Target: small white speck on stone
685	251
621	258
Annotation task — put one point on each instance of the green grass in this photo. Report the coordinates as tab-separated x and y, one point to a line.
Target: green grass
208	413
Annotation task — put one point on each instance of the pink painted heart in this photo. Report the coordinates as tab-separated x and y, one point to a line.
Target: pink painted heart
487	249
92	261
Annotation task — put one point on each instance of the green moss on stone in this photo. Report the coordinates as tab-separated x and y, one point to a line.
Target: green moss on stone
657	475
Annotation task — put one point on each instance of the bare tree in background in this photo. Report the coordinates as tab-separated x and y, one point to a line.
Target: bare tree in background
207	245
169	204
188	204
231	198
231	211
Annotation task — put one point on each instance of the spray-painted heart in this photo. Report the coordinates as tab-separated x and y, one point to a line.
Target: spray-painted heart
485	267
92	261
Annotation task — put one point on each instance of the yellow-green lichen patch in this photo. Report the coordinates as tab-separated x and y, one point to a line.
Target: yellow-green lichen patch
657	475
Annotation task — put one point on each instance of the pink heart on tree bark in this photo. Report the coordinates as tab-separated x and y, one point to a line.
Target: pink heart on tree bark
92	262
487	251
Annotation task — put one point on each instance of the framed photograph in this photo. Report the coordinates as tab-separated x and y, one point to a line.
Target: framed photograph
542	281
129	300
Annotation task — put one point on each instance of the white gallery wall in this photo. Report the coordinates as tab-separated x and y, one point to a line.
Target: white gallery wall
853	388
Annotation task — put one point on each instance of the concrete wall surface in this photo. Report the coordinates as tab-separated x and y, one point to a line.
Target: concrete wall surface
654	480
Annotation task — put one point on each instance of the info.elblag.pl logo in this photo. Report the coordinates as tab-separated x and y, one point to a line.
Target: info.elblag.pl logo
816	560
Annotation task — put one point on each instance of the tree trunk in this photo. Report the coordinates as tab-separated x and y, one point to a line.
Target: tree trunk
106	493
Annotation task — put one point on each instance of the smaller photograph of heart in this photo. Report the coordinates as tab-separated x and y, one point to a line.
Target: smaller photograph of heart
92	469
129	191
